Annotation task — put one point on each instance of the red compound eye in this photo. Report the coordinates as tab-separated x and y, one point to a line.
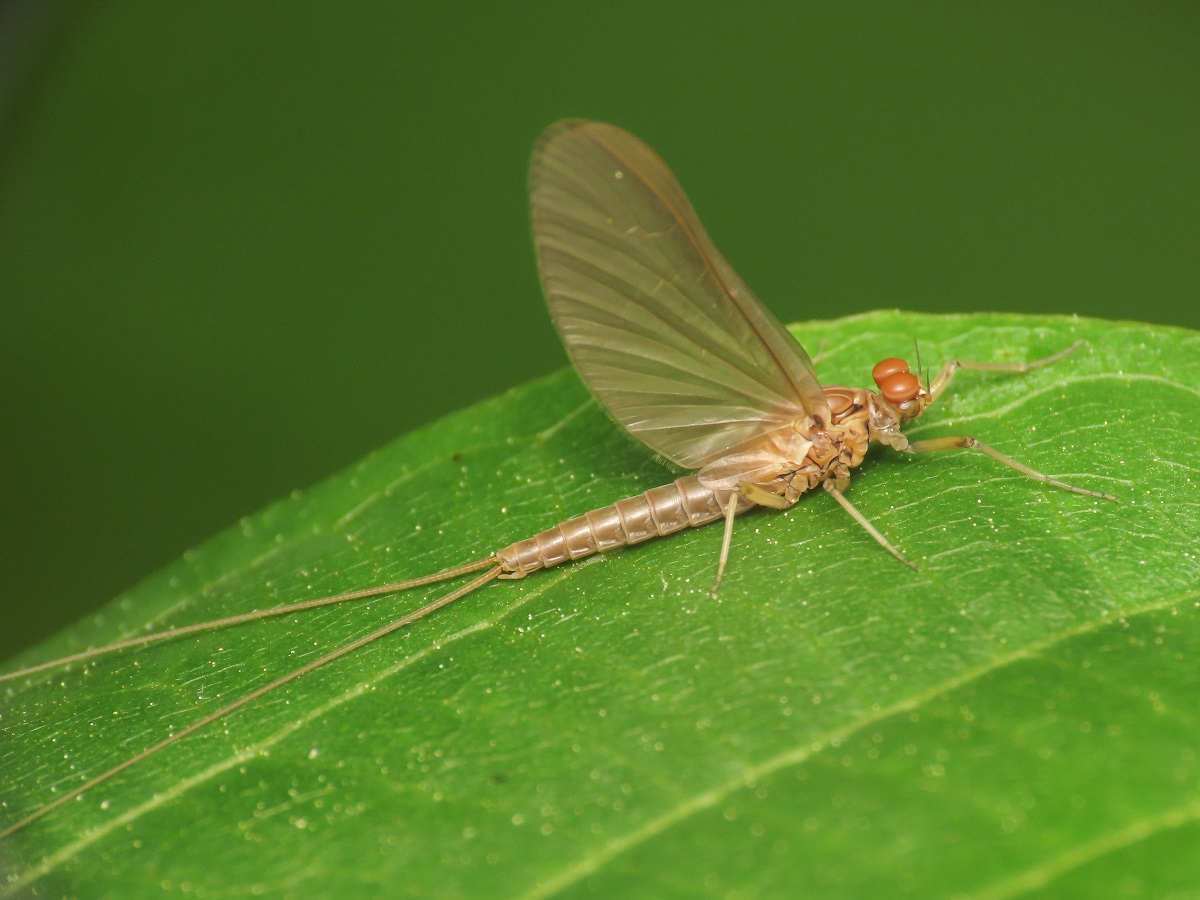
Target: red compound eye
885	369
900	387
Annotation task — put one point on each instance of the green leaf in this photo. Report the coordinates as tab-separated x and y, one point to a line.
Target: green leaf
1018	718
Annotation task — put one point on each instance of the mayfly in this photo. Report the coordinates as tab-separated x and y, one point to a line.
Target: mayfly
680	352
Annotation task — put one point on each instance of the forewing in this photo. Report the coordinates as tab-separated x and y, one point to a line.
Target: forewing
661	328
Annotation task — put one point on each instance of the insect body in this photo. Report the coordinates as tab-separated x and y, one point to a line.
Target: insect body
678	350
802	456
681	353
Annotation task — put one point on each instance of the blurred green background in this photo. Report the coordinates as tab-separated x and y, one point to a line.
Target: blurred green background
242	244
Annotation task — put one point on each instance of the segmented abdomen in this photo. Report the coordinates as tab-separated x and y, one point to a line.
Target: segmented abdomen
685	503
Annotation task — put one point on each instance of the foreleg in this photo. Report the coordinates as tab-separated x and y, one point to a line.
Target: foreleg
965	442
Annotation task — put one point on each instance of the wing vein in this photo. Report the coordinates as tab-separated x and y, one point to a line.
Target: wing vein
662	330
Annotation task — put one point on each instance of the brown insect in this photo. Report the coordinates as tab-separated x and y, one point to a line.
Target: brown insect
681	353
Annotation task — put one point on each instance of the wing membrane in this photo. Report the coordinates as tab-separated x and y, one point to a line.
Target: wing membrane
661	328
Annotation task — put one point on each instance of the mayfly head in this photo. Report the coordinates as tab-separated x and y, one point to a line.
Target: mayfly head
901	389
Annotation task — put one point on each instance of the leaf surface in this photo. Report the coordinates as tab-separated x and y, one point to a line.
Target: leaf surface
1018	718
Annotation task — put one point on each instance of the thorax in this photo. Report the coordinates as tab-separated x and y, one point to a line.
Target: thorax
856	417
843	442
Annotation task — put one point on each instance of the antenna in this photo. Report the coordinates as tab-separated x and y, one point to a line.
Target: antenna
921	373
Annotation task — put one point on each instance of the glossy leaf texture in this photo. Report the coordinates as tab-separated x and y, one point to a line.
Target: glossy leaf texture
1018	718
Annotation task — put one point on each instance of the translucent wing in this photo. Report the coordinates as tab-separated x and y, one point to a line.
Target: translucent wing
661	328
